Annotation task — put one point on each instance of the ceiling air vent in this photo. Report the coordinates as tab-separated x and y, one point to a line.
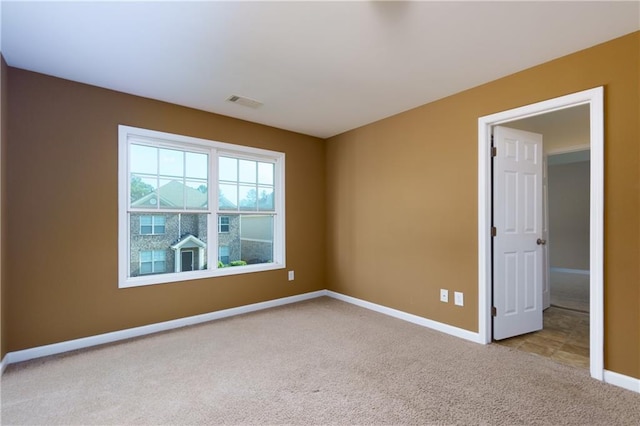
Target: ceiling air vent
241	100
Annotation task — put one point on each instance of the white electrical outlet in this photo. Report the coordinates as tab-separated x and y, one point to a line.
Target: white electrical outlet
458	298
444	295
291	276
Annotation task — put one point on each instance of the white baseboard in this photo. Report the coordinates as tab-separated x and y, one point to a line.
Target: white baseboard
435	325
611	377
570	271
622	381
100	339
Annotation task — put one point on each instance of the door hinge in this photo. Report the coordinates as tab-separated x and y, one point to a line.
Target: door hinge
494	231
494	151
494	311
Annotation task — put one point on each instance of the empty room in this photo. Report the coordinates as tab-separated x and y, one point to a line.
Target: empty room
359	212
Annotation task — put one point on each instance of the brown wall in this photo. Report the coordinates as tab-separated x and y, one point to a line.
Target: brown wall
402	196
63	216
3	205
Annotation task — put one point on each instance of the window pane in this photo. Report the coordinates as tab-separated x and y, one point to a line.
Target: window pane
146	268
228	197
197	196
152	224
156	254
159	266
228	169
265	173
248	199
171	163
142	192
144	159
256	238
171	194
159	224
223	223
197	165
265	199
257	227
247	171
145	256
229	241
249	240
223	255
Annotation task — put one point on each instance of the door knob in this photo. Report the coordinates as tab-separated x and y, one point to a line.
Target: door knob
541	242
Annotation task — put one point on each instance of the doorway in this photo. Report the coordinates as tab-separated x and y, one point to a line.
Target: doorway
562	330
594	99
186	260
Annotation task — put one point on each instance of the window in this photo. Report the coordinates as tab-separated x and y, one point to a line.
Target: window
153	261
223	224
223	255
152	225
181	190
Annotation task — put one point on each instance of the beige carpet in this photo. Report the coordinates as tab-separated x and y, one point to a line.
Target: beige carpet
316	362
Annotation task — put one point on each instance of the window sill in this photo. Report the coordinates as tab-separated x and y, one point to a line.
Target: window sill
196	275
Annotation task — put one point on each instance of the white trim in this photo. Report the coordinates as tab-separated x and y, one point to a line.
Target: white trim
610	377
101	339
620	380
434	325
593	97
571	271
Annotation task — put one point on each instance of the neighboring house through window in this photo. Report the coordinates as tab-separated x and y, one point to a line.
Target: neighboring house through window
152	225
223	254
223	224
175	191
153	261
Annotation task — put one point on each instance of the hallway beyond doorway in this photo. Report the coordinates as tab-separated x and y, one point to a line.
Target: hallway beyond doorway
570	291
564	338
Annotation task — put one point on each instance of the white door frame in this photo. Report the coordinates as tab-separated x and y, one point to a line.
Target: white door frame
594	98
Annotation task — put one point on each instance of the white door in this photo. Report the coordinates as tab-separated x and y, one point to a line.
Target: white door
517	245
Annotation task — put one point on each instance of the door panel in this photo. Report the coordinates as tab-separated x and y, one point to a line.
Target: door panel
517	216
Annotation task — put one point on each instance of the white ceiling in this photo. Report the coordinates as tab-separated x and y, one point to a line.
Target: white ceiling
320	68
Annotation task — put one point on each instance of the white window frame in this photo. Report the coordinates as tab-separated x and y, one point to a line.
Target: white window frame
215	149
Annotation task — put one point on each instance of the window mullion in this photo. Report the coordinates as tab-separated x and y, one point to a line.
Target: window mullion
212	219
